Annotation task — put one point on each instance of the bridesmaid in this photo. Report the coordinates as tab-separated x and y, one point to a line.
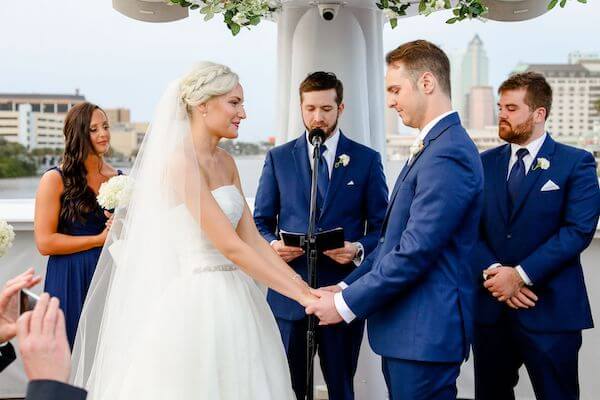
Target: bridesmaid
69	225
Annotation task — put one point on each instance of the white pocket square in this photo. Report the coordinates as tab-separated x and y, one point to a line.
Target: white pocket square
351	183
549	186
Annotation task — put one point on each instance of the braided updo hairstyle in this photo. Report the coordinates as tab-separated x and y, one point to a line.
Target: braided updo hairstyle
204	81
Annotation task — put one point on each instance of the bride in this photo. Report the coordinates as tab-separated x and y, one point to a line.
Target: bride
176	309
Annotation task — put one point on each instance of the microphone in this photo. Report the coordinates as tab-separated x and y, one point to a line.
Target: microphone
316	136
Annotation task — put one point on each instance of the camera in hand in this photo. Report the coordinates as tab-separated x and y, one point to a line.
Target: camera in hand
27	300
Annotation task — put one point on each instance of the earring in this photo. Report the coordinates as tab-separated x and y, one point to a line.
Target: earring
204	114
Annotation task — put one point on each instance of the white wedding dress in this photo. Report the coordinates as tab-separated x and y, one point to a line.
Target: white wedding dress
167	316
214	336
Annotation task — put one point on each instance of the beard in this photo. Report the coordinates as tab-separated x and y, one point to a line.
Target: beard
518	134
327	129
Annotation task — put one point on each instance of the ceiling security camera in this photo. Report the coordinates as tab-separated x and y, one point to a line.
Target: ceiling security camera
328	11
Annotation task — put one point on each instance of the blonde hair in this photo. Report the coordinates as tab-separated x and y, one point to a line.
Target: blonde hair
205	81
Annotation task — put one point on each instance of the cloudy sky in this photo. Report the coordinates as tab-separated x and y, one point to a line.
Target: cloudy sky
58	46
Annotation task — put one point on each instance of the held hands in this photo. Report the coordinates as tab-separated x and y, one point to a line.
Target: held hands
324	307
343	255
43	341
9	309
506	285
287	253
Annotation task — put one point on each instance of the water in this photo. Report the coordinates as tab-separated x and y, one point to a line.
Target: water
250	169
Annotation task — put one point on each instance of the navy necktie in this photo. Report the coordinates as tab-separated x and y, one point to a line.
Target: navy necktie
322	178
516	177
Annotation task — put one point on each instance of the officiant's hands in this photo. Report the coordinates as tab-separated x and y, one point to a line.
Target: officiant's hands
343	255
287	253
324	308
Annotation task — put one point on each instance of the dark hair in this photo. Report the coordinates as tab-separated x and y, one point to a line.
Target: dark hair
321	80
421	56
538	91
77	197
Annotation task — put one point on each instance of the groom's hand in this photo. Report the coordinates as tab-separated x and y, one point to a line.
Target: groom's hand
343	255
287	253
324	308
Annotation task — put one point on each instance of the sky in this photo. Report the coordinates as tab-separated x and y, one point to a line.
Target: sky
58	46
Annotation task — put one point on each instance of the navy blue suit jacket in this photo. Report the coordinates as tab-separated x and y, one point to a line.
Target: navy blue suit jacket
282	202
415	289
545	234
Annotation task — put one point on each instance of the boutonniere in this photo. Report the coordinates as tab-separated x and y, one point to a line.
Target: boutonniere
416	148
542	163
343	160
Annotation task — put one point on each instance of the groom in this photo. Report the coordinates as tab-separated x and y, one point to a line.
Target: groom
414	289
353	195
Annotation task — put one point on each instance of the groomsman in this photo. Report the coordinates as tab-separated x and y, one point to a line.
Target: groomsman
541	211
352	194
415	288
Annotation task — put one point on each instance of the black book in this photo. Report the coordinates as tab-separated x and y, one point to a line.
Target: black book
325	240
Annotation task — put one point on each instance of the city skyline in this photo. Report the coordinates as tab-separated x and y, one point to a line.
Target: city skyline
129	65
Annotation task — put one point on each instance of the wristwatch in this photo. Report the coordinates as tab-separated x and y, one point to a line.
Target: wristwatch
359	253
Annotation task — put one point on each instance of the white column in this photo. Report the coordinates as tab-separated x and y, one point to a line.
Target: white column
351	46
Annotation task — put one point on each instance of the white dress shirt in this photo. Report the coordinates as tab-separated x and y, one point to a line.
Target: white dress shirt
338	299
533	148
329	154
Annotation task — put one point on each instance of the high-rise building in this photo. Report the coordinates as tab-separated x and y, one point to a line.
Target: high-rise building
35	120
481	107
473	72
118	115
44	103
576	96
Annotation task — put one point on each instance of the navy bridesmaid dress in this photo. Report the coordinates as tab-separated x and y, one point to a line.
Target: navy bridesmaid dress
68	276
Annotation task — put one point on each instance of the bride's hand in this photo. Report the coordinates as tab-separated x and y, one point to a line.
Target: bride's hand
307	298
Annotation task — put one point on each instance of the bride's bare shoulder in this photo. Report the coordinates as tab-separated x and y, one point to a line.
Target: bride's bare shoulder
227	161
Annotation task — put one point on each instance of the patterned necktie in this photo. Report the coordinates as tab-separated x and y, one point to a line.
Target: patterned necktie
516	177
322	178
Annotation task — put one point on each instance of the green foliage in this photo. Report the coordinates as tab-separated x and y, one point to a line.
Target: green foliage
15	161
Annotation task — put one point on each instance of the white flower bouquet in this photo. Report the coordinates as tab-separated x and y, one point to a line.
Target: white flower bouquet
7	236
115	192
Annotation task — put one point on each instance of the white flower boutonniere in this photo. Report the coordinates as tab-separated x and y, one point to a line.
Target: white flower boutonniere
542	163
343	160
415	149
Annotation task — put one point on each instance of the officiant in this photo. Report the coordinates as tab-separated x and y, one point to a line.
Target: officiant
351	194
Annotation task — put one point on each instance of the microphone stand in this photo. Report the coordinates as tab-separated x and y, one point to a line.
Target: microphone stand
311	251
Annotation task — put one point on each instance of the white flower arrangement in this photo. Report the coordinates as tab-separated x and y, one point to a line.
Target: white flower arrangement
343	160
416	148
115	192
541	163
236	13
247	13
7	236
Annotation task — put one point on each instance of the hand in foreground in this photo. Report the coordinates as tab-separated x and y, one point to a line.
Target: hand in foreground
324	308
287	253
525	298
43	341
503	282
343	255
9	302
